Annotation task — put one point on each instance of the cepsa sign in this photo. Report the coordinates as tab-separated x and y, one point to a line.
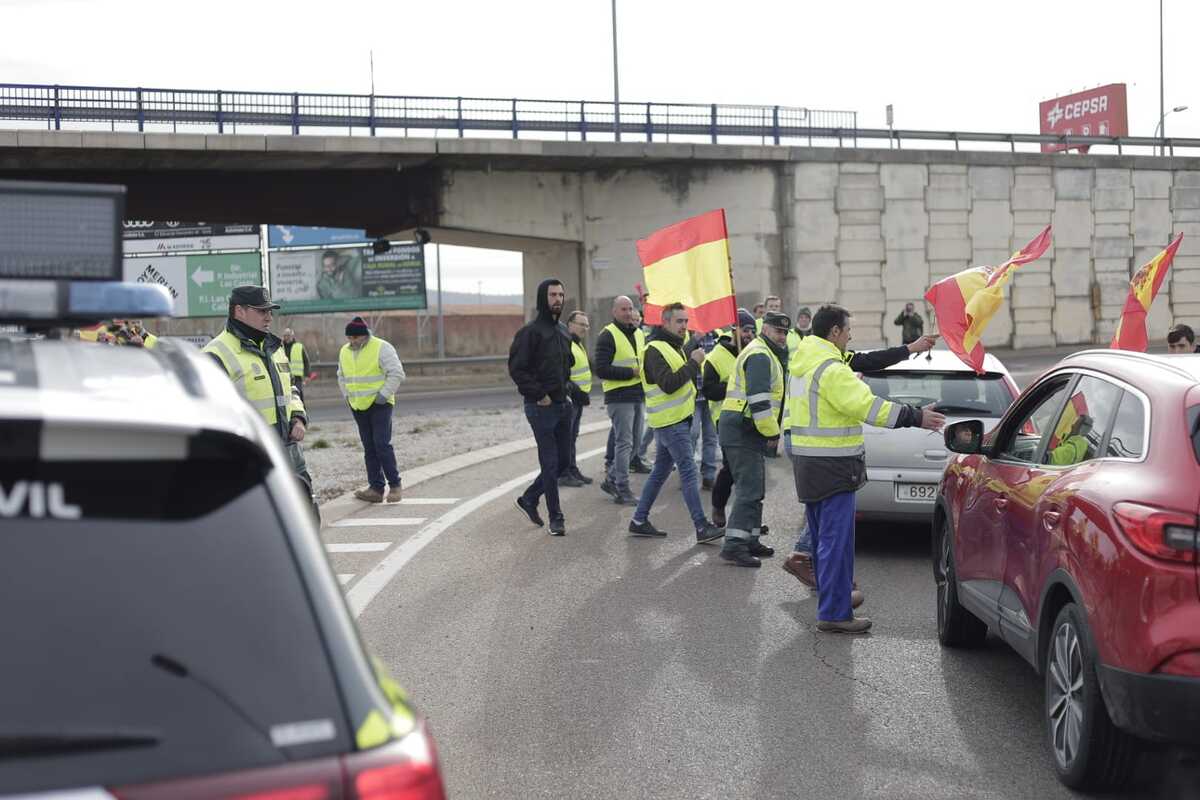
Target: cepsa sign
1096	112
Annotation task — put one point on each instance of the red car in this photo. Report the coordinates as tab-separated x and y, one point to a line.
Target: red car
1070	530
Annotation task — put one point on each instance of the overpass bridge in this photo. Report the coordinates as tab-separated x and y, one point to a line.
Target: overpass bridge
816	212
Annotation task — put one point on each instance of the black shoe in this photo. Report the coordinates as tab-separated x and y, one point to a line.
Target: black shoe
763	530
558	527
644	529
607	487
740	555
718	517
760	550
579	476
639	466
530	511
625	498
709	533
707	484
569	480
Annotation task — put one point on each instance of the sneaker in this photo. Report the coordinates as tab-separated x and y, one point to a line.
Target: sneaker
718	517
799	565
370	495
760	550
852	625
608	488
644	529
530	511
569	480
707	484
394	494
625	497
579	476
709	533
639	466
739	554
558	527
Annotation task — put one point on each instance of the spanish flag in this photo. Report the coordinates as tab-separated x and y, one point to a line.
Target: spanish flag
1075	409
966	302
688	263
1143	288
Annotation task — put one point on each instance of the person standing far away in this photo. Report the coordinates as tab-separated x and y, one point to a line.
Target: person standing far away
749	432
297	358
539	364
619	350
827	405
369	373
912	325
758	310
253	359
718	366
771	304
579	392
669	380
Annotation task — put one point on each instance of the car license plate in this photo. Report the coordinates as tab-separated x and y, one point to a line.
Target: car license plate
916	492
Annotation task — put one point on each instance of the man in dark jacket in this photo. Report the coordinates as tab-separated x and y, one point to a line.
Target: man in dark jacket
911	324
669	380
618	365
578	390
539	364
718	367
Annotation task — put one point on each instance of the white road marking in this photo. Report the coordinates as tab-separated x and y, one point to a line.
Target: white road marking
370	522
359	547
429	501
345	577
373	582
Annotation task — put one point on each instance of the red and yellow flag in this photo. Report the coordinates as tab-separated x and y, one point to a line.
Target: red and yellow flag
1143	288
1075	409
688	263
966	302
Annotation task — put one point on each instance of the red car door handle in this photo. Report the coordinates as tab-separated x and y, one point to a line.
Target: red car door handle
1050	520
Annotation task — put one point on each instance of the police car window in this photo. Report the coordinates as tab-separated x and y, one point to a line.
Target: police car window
1129	429
957	394
174	631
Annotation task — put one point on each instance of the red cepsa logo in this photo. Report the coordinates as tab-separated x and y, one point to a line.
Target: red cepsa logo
1096	112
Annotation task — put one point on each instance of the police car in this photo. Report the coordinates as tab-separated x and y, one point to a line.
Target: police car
169	623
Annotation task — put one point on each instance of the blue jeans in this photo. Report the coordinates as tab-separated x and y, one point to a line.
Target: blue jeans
673	446
576	416
375	433
552	430
704	430
832	524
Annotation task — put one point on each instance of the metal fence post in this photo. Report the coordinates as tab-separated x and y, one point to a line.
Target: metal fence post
582	121
371	115
57	110
649	125
220	112
460	119
295	113
514	117
713	126
775	123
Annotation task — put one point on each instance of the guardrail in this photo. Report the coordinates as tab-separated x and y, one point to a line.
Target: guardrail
459	361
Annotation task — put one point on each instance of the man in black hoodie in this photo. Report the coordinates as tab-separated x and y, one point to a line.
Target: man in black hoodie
539	364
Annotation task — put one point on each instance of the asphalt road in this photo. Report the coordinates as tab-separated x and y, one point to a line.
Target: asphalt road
601	665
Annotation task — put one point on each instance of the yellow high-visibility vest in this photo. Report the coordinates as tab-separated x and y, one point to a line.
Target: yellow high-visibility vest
362	374
248	374
625	356
827	404
664	409
296	358
581	373
722	362
736	399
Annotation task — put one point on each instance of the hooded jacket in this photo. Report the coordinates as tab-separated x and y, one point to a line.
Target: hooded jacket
539	360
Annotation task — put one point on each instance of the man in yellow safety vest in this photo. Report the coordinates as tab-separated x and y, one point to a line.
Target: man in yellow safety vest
369	373
718	366
297	359
579	387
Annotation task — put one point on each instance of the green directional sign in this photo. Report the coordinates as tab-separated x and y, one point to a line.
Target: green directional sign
199	284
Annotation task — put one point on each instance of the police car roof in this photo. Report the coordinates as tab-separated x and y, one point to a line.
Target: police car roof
118	403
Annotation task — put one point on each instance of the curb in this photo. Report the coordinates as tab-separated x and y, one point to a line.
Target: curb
346	504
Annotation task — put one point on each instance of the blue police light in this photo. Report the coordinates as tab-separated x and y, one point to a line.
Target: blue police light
102	299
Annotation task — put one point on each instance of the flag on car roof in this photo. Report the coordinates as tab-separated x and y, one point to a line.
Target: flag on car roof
688	263
966	302
1143	288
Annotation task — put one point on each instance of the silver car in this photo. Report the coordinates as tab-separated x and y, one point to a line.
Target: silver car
904	466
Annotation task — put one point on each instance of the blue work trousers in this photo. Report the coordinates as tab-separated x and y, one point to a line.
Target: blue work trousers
375	433
831	523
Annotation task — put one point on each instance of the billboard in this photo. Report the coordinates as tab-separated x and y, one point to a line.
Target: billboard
143	236
200	284
1095	112
348	279
298	236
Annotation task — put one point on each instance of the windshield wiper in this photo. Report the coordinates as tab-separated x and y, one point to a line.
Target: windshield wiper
17	745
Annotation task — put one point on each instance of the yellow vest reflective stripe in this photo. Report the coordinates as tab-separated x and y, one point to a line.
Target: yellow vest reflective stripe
664	409
625	355
737	400
248	374
149	340
722	362
362	375
817	426
581	373
296	358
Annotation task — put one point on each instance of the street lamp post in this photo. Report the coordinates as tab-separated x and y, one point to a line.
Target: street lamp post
1162	113
1162	126
616	80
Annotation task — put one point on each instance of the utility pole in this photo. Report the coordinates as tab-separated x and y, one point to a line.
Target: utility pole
616	79
1162	106
437	248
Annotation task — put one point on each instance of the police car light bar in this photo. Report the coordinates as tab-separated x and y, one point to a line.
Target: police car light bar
81	301
60	231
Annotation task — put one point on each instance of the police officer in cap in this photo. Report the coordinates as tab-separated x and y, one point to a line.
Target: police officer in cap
749	431
255	361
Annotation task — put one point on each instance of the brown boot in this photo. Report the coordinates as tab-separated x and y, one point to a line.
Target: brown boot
800	566
369	494
852	625
394	494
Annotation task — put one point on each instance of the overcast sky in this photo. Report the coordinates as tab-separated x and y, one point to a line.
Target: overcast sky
965	65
